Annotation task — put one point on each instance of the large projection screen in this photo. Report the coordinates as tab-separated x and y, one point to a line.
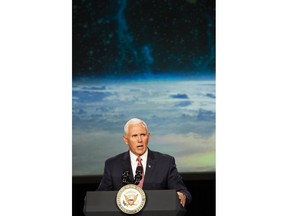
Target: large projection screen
153	60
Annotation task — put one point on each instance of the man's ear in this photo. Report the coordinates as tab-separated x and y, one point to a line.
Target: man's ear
125	139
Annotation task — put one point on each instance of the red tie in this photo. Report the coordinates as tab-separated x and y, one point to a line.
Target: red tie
139	159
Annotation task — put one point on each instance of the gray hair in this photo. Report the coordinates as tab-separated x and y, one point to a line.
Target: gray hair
134	121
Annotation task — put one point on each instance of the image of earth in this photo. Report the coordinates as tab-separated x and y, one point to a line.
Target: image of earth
180	114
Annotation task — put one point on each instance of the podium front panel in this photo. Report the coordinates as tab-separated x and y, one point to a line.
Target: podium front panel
158	203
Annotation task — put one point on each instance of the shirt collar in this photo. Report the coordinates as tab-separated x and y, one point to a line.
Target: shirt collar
134	157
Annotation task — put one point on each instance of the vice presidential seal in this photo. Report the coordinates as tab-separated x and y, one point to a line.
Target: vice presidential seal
130	199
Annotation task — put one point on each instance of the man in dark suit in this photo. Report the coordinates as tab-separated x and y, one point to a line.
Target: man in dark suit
159	170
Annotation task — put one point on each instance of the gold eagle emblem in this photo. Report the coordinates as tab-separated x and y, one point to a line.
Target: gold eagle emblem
131	199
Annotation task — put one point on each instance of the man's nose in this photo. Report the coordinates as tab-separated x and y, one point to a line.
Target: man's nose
139	139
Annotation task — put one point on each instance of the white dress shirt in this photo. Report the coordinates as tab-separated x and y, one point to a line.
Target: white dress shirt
134	162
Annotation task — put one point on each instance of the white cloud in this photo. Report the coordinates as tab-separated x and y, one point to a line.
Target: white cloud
98	122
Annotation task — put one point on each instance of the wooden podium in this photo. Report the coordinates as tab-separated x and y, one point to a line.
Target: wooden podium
158	203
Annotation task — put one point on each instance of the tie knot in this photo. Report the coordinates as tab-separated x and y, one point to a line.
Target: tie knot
139	159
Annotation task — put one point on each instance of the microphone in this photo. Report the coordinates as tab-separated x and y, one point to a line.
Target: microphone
125	177
138	175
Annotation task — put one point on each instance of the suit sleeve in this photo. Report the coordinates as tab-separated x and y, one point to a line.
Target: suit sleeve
175	181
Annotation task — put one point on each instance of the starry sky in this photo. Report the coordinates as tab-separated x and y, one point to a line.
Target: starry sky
128	38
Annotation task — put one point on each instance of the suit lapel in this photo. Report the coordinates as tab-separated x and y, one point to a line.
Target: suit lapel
149	167
126	164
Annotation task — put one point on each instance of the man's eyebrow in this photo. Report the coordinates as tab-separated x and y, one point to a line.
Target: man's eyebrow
135	134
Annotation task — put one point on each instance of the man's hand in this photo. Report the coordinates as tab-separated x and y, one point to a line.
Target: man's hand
182	198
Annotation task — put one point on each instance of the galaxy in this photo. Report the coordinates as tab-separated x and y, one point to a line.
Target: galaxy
125	38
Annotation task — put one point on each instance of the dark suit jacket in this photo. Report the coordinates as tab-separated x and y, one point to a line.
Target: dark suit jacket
161	173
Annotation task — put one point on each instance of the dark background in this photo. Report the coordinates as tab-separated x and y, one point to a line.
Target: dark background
200	185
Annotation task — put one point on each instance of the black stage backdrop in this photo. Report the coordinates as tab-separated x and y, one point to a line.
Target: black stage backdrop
200	185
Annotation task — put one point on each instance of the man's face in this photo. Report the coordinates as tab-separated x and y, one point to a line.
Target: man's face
137	138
